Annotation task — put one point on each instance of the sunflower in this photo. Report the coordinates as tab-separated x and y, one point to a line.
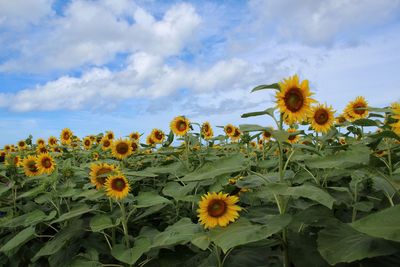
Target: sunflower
30	167
13	148
66	136
292	138
356	109
7	148
45	163
106	143
396	127
236	135
110	135
95	156
342	140
92	138
21	145
266	134
217	209
3	155
134	136
117	186
52	141
229	129
180	125
253	144
9	159
206	131
260	144
40	142
134	146
41	150
121	148
294	100
99	172
149	140
87	143
395	107
157	135
322	118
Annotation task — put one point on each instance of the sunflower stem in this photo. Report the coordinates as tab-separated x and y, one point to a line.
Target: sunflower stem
124	223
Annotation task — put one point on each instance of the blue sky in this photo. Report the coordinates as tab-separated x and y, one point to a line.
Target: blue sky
126	65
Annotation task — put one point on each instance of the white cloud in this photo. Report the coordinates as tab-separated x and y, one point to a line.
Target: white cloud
94	32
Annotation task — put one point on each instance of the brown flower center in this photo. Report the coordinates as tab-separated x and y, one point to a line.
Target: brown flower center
158	135
118	184
267	134
206	128
32	166
292	137
110	136
100	177
359	111
229	130
181	125
46	162
42	149
87	142
294	100
216	208
21	144
106	143
321	116
66	136
134	146
122	148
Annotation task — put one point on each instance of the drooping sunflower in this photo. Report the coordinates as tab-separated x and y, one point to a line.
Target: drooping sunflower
229	129
266	134
356	109
87	143
340	119
294	99
206	131
52	141
30	167
99	172
21	145
157	135
66	136
180	125
110	135
121	148
134	136
236	135
106	143
117	186
322	118
218	209
41	149
150	141
45	163
293	138
40	142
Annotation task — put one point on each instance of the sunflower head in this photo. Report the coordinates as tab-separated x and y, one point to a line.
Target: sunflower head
40	142
217	209
134	136
52	141
41	149
66	136
45	163
229	129
356	109
10	159
99	172
322	118
294	99
106	143
340	119
342	140
7	148
157	135
293	138
150	141
121	148
87	143
3	155
95	156
109	135
134	146
267	134
180	125
117	186
30	166
236	135
206	131
22	145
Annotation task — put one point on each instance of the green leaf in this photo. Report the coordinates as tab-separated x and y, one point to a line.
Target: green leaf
212	169
341	243
31	193
75	212
177	191
5	188
251	127
306	191
367	122
243	232
384	224
19	239
266	86
148	199
269	111
202	241
179	233
100	222
281	136
131	255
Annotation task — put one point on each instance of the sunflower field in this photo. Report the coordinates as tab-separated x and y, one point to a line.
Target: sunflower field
313	189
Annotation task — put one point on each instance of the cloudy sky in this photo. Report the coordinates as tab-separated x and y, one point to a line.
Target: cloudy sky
124	65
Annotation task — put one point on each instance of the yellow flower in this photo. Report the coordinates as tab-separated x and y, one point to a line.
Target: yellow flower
121	148
206	131
110	135
356	109
293	138
21	145
134	136
117	186
180	125
30	167
342	140
229	129
157	135
99	172
236	135
322	118
45	163
95	156
52	141
106	143
149	140
40	142
218	209
41	150
87	143
266	134
134	146
66	136
294	100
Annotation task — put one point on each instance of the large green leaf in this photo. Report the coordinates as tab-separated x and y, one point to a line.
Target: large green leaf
4	188
269	111
251	127
131	255
100	222
384	224
243	232
177	191
75	212
341	243
148	199
306	191
274	86
22	237
212	169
